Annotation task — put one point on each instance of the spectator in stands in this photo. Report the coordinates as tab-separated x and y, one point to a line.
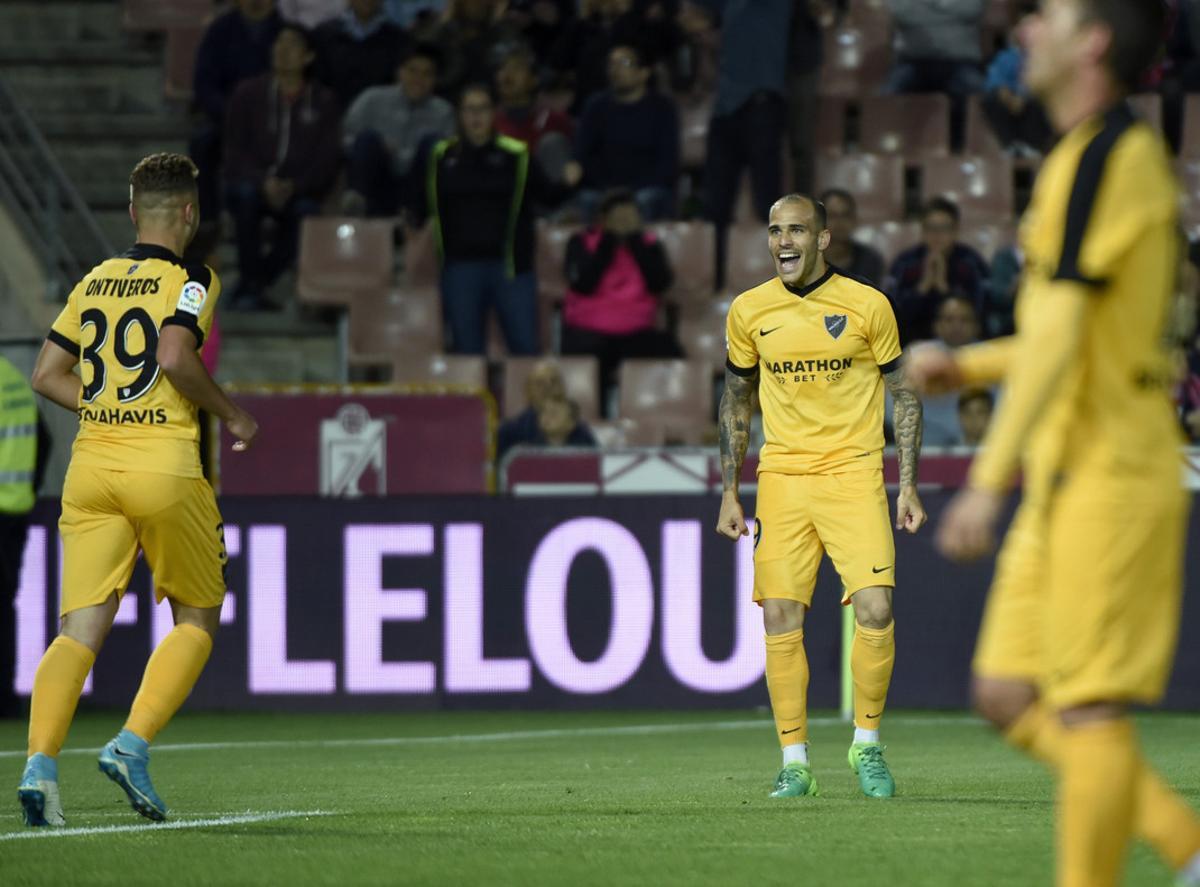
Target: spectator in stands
749	119
236	45
805	56
616	274
956	322
281	159
545	421
1015	116
844	252
629	138
541	23
481	186
415	15
975	406
359	48
921	277
546	131
582	53
938	47
472	41
1000	293
384	130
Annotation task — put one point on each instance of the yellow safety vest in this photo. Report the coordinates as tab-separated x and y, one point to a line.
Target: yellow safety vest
18	440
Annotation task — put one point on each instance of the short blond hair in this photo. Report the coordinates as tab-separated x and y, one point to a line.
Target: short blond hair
161	176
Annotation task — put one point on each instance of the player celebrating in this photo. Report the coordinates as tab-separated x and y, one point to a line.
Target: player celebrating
1083	613
818	347
136	322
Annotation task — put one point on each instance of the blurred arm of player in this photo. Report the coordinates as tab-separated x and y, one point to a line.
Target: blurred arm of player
54	376
1040	358
733	424
932	368
908	420
180	361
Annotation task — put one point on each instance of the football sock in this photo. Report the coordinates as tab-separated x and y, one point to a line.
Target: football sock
861	735
787	684
56	688
872	656
1162	818
172	671
797	752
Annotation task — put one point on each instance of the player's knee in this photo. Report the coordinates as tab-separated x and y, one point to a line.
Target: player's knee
872	610
782	616
1001	702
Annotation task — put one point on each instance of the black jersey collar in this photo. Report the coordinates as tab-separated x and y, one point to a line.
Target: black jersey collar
803	291
143	251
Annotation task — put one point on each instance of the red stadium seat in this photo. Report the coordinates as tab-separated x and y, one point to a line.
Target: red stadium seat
913	126
889	239
981	186
581	376
550	259
702	336
179	60
830	137
421	265
342	258
980	138
749	260
876	181
674	395
163	15
1189	148
689	247
424	368
857	55
988	237
403	321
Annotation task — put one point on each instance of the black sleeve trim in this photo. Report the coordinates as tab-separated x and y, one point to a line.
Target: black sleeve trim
202	274
63	342
891	366
744	372
188	322
1083	197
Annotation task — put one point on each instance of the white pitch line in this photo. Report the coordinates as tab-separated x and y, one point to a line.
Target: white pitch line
510	736
172	825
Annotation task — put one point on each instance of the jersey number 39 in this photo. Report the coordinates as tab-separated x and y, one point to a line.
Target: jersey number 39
143	360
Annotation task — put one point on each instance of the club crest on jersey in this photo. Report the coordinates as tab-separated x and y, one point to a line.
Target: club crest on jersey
835	324
192	297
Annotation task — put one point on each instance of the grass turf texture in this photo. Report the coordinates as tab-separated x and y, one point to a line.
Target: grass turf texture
597	798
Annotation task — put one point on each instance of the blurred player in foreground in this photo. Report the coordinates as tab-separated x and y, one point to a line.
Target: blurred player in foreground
136	323
1083	614
818	348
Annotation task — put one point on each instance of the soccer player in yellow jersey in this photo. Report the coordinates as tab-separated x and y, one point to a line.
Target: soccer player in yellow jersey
818	348
1083	614
134	324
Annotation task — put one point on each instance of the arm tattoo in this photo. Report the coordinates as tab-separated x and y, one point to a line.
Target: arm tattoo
733	422
906	419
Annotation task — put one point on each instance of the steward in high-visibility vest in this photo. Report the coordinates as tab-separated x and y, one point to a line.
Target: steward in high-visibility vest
18	441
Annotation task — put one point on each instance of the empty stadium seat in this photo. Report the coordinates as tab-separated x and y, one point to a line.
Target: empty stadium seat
341	258
830	135
163	15
179	61
876	181
1148	106
702	336
549	258
913	126
408	320
981	186
857	55
1189	147
889	239
581	376
674	395
689	248
980	139
421	265
612	435
988	237
423	368
749	261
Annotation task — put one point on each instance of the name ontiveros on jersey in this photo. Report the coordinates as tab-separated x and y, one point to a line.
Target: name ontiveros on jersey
122	287
117	416
827	370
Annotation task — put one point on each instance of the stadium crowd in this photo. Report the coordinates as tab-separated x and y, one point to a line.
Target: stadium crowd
494	118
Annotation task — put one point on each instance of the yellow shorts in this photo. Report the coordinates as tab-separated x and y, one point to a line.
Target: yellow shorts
108	515
1086	599
798	518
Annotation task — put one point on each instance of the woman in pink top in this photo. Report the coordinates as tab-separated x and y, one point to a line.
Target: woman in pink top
616	275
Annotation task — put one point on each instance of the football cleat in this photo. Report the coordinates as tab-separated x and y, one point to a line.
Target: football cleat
795	780
874	777
38	792
125	760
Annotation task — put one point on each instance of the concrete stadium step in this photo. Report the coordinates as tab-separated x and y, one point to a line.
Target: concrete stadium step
170	124
248	358
126	50
108	89
60	20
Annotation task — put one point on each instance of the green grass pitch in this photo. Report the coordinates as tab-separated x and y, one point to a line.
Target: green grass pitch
550	798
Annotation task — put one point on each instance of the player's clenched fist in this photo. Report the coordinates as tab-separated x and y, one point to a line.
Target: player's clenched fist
930	367
731	522
243	428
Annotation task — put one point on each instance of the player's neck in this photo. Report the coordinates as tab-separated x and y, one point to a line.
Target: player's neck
1081	97
163	239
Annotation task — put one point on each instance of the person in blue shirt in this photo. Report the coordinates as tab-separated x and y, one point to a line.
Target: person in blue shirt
1015	116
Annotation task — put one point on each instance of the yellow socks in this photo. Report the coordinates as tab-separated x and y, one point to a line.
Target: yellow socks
172	671
56	688
1162	819
1097	786
872	656
787	682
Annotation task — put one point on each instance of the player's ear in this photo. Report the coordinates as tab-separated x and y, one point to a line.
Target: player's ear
132	214
823	240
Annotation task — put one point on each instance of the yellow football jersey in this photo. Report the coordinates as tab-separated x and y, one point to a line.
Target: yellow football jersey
1105	213
130	416
821	350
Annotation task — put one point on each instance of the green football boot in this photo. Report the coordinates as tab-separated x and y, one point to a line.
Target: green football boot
795	781
874	777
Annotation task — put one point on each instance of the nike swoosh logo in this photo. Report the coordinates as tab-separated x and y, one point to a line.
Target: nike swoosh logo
880	569
763	332
872	717
123	754
793	730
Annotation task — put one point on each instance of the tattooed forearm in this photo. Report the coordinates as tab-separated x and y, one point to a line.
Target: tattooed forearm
907	421
733	422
